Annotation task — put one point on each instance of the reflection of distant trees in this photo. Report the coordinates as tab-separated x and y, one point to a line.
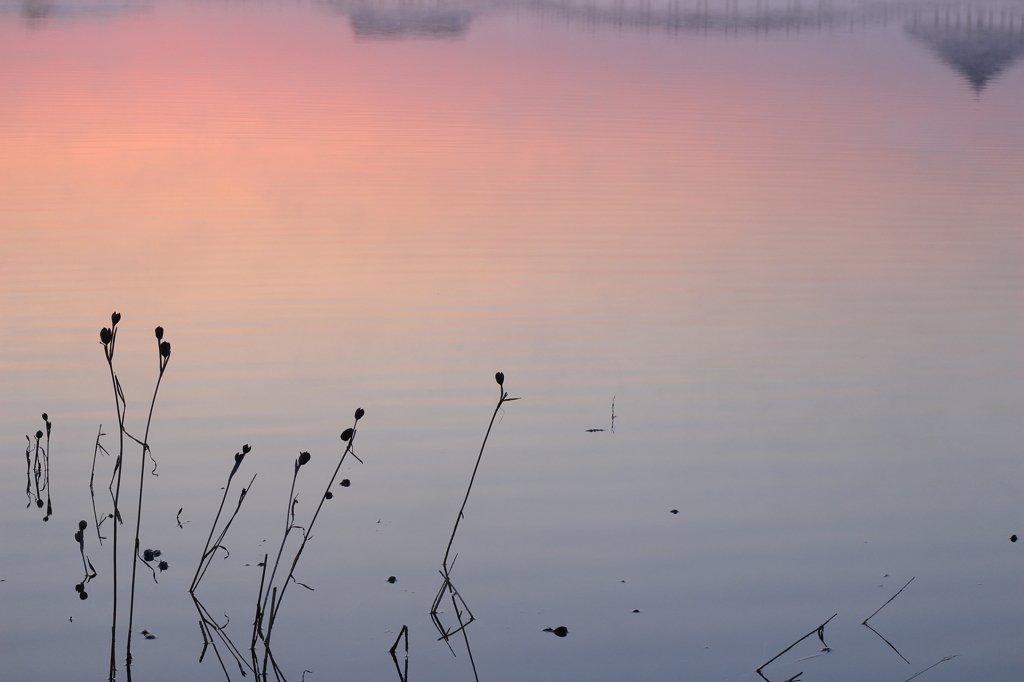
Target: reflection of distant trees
407	20
976	43
35	10
397	18
37	13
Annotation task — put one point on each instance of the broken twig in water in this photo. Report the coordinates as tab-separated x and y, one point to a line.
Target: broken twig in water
947	658
820	631
865	622
403	675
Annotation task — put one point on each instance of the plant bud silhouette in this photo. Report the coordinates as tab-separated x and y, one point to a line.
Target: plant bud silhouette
304	457
82	525
165	349
159	333
359	413
114	319
500	378
105	336
39	434
246	449
45	418
346	435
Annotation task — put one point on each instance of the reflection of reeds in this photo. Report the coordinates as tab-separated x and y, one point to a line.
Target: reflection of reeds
87	568
37	470
92	491
865	623
403	672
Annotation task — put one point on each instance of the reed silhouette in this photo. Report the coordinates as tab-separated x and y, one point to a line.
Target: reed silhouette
108	338
865	622
462	613
272	589
403	671
820	631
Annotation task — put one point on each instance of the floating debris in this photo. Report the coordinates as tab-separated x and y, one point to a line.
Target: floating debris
673	511
560	631
345	483
392	579
594	430
636	610
1013	538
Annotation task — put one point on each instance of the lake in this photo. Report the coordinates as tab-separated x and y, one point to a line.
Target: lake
755	270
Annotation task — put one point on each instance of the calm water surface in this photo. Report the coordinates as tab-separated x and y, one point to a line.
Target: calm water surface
785	239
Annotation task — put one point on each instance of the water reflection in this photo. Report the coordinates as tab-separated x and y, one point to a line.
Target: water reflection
404	20
37	470
393	19
39	14
976	43
865	622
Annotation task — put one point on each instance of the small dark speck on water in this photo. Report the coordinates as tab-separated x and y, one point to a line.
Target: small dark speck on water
674	511
636	610
392	580
1013	538
560	631
594	430
345	483
622	581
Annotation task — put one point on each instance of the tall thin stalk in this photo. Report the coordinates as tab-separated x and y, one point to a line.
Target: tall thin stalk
502	399
108	337
349	436
164	355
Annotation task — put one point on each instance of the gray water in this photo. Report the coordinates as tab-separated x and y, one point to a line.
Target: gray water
785	239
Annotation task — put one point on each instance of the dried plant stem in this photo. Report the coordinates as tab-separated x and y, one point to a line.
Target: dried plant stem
115	492
138	515
820	630
887	603
307	531
501	400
